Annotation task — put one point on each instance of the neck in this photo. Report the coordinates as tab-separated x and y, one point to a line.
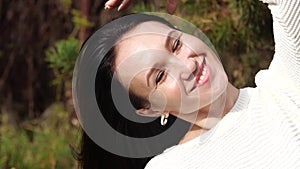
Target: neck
232	94
212	114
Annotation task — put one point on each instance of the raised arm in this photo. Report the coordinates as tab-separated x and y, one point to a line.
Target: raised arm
286	26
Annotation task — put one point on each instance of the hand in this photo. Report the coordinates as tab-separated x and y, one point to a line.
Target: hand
123	4
171	6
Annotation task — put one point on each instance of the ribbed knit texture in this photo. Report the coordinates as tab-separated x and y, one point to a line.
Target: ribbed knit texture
263	128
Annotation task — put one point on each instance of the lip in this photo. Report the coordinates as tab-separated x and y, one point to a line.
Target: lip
199	74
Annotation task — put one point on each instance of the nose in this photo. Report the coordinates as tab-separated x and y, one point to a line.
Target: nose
188	57
191	64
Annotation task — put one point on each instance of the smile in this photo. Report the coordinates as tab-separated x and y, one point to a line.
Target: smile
202	75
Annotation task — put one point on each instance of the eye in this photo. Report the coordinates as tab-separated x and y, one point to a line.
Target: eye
159	77
176	44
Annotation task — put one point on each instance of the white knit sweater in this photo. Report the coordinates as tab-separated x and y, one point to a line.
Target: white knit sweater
263	128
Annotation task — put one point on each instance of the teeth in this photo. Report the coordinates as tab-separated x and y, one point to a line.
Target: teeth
201	78
204	71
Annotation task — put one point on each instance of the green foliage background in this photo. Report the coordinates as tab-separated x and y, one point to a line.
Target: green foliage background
43	143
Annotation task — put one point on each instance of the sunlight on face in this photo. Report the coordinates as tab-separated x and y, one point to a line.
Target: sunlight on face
173	70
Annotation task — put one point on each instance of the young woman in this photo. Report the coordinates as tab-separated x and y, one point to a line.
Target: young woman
99	153
169	72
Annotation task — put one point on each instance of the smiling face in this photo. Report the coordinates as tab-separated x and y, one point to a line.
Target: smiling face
173	70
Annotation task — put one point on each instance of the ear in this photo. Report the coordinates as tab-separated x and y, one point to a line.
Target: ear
148	112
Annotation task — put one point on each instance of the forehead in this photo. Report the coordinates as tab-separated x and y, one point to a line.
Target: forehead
147	28
144	36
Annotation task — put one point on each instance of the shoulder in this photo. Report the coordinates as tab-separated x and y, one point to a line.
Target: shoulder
160	161
185	155
171	158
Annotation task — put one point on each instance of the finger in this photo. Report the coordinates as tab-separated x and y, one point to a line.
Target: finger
124	5
112	4
172	5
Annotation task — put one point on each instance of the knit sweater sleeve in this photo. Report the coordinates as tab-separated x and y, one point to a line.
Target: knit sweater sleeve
280	84
286	26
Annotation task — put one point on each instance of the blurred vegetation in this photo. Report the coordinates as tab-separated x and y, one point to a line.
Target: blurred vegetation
40	143
39	45
62	58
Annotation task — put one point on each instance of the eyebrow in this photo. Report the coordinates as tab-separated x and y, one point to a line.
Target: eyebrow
169	38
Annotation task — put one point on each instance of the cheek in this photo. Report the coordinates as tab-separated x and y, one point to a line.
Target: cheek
174	90
173	95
